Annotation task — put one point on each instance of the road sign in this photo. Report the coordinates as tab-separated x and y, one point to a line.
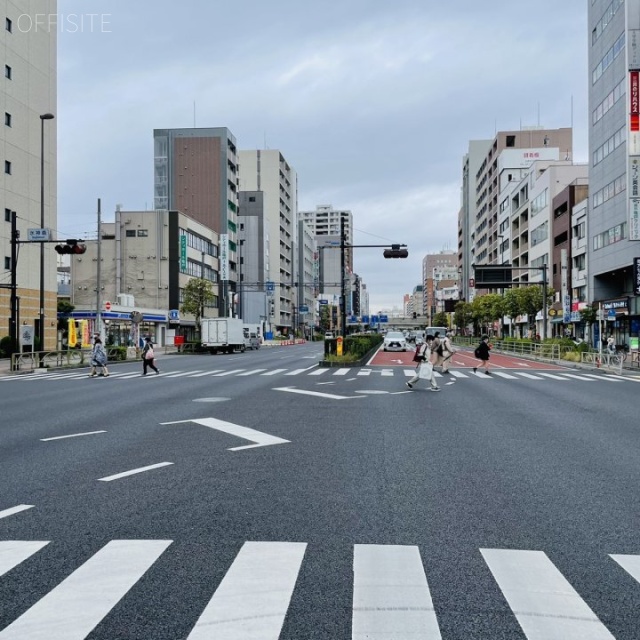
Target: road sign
375	319
365	319
39	235
107	306
271	286
303	308
26	335
323	302
611	314
384	318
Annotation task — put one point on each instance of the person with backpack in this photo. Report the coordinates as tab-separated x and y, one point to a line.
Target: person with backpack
444	352
482	353
424	368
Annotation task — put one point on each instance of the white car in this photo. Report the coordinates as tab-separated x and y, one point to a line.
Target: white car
394	341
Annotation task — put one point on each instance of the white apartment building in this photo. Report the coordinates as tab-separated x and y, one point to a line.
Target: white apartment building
269	172
28	92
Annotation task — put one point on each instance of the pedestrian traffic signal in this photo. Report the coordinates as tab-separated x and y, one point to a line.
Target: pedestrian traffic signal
395	252
71	246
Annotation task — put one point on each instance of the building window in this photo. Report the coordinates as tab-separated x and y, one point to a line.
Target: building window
130	233
7	263
7	167
7	71
7	215
8	25
7	119
511	141
143	233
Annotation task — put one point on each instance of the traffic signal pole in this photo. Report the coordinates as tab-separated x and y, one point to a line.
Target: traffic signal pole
13	329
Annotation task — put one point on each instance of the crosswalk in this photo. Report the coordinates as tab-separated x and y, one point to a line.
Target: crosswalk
391	597
334	373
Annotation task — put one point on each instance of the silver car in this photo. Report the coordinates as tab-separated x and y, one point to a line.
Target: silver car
394	341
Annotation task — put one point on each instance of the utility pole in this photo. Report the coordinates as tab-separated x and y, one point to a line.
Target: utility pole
544	301
13	328
343	311
98	327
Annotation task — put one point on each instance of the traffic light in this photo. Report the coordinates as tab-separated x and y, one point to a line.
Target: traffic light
395	252
71	246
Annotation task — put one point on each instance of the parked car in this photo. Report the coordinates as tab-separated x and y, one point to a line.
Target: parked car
394	341
328	335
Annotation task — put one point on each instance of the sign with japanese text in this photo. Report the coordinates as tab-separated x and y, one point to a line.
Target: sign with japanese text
224	256
634	101
39	235
183	253
636	276
634	197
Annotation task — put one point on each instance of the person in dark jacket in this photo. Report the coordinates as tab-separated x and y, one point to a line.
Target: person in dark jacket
148	357
482	353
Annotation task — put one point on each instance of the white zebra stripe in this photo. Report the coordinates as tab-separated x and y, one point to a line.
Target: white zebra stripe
253	597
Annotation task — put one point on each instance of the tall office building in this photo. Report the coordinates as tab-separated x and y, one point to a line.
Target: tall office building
325	223
436	267
268	171
28	92
614	164
196	172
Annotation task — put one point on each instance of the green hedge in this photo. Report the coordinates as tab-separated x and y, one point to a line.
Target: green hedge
359	345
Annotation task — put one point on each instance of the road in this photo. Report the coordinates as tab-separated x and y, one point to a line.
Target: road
256	495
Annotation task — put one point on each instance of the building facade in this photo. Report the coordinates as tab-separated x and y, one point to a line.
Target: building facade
196	172
147	259
29	92
614	164
436	267
268	171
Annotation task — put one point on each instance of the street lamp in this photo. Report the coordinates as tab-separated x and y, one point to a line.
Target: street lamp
43	117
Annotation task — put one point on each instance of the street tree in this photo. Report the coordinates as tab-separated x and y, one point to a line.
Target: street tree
441	319
463	315
198	294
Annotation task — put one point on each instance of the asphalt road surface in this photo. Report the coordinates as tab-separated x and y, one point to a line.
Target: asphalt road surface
257	496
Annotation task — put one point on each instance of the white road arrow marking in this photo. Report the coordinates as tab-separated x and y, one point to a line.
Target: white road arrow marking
305	392
258	438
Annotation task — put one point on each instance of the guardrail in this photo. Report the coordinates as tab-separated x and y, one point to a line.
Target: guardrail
610	361
33	360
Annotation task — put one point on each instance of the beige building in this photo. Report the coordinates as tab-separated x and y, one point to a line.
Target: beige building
28	92
147	258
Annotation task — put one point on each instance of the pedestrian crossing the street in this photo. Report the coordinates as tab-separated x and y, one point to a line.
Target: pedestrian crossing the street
391	597
336	374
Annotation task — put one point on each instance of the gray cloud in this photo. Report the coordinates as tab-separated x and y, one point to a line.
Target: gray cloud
372	102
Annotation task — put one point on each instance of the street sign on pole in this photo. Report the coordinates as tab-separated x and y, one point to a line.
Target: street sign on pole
39	235
107	306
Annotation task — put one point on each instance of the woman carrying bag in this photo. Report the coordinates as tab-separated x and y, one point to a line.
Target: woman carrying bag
148	357
424	368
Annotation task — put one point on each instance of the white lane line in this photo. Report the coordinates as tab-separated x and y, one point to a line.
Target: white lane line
184	373
13	552
342	371
124	474
227	373
457	374
630	563
544	603
251	373
258	438
207	373
391	597
386	373
604	377
137	374
76	606
482	374
527	375
522	364
305	392
364	372
552	376
573	375
272	372
296	372
409	373
319	372
501	374
56	376
253	597
13	510
71	435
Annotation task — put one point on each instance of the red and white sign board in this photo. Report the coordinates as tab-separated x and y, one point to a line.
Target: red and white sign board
107	306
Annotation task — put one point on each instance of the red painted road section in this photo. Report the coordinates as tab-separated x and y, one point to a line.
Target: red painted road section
463	359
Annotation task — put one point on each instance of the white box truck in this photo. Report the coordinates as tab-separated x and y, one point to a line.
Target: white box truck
223	334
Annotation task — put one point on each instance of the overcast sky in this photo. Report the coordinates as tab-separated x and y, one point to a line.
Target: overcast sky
372	102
